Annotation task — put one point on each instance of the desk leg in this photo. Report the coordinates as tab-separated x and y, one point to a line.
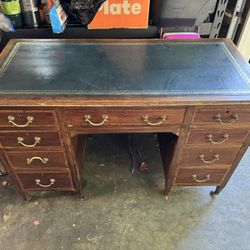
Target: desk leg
81	194
78	145
217	190
233	168
11	175
2	170
74	145
167	144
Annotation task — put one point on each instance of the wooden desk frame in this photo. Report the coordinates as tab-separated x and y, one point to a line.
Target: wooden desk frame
172	147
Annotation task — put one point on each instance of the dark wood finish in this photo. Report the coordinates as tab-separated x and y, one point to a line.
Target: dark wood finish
191	156
79	146
29	160
239	156
218	138
175	129
185	177
124	117
71	150
167	145
48	138
62	182
59	121
171	173
206	117
40	119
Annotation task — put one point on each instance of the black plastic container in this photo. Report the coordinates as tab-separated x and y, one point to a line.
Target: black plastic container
30	13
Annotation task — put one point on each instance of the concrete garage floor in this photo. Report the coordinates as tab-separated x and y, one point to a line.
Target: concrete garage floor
122	211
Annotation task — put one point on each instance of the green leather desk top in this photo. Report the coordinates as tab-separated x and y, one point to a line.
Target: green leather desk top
147	68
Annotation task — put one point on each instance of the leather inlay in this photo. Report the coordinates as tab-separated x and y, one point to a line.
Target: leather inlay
121	69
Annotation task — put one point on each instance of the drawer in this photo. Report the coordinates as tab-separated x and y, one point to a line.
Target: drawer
208	156
216	137
19	119
200	177
122	117
45	181
29	140
37	159
223	116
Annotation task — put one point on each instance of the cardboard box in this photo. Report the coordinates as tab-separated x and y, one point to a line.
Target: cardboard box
58	17
132	14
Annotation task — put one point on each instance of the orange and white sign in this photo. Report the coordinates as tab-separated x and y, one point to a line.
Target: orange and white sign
122	14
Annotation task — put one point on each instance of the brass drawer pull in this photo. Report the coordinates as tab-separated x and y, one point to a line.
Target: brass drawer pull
146	119
21	139
11	120
199	180
216	158
43	160
88	117
210	138
234	118
38	183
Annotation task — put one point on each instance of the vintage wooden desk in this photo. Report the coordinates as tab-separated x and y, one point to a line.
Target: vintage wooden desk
195	95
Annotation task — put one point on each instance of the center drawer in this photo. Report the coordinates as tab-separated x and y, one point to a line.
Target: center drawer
46	181
37	159
29	140
124	117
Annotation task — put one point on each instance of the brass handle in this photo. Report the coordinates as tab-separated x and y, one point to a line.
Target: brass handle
43	160
38	183
21	139
216	158
210	138
146	119
11	119
88	117
201	180
234	118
